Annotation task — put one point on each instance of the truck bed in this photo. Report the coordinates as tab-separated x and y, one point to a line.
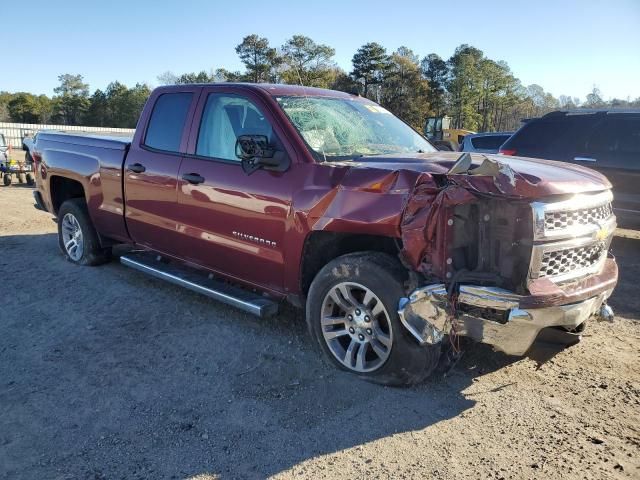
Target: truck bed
94	162
112	141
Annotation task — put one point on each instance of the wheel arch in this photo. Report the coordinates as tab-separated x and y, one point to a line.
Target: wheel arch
63	189
321	247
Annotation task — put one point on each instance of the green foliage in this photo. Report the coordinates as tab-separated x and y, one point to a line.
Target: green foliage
45	109
259	58
463	86
370	63
343	82
307	62
98	111
118	106
405	91
72	98
28	108
224	75
479	93
5	98
23	108
200	77
435	72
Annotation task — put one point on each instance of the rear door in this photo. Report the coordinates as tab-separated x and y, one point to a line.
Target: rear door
613	149
234	223
151	170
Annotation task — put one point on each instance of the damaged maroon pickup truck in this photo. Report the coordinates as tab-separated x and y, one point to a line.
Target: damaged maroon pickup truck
255	194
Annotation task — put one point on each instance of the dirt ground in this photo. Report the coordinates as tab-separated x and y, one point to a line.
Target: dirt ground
105	373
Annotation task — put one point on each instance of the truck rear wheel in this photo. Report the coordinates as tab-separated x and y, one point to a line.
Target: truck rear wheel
352	316
77	237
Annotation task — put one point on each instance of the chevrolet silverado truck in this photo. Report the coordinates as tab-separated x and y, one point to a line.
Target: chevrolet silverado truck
259	194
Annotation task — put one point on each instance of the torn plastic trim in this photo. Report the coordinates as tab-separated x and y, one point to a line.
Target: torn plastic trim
504	177
426	314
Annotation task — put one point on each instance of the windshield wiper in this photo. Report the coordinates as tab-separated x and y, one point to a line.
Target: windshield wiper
341	158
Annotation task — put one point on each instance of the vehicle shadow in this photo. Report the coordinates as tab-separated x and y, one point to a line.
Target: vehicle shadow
108	373
17	184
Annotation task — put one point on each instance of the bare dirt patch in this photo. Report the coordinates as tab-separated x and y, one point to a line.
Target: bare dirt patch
105	373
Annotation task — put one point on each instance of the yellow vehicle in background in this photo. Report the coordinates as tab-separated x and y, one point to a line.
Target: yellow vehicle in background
9	167
438	131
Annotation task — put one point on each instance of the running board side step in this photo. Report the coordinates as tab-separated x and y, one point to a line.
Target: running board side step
190	278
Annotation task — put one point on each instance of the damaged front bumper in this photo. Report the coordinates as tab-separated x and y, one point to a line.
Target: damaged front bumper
495	316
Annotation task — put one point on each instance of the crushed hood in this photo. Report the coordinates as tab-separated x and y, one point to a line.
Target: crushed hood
444	180
534	178
413	196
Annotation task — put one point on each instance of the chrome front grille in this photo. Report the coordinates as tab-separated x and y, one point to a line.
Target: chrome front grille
571	237
563	219
567	260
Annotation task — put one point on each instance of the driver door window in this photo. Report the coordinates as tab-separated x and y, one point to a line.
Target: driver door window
225	117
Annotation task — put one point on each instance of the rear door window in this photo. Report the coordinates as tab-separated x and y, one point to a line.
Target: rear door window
616	141
558	138
167	121
629	137
490	142
604	138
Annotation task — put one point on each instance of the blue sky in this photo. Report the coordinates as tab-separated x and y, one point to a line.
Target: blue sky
567	47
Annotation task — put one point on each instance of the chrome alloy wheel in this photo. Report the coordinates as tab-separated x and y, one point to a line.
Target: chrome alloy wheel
72	237
356	327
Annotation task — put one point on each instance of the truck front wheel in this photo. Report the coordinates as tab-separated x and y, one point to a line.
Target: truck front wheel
77	237
352	315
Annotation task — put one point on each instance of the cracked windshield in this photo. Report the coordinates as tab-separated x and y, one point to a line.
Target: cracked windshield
344	129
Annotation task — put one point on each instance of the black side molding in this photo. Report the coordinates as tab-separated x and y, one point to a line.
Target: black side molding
38	199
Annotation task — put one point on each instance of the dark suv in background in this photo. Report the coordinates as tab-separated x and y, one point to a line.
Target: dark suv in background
604	140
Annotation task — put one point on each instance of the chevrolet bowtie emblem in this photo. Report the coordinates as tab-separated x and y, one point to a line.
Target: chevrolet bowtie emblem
602	233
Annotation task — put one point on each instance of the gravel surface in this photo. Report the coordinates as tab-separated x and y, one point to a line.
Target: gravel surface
105	373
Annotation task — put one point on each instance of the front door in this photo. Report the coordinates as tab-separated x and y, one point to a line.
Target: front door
233	223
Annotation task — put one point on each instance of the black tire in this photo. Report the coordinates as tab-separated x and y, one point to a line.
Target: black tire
407	363
92	252
7	179
30	180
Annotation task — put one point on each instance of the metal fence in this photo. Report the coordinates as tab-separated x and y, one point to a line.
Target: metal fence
15	132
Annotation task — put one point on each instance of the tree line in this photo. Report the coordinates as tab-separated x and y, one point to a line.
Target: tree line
116	106
478	93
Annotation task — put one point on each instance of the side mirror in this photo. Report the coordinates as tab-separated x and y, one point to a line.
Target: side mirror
255	152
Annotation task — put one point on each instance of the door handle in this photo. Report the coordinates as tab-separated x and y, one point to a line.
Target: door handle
136	168
584	159
193	178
